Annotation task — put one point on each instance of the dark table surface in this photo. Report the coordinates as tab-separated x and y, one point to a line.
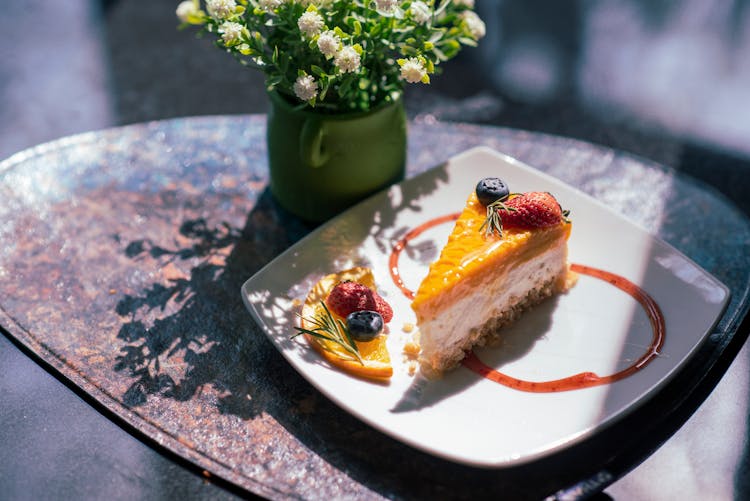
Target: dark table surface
129	249
667	83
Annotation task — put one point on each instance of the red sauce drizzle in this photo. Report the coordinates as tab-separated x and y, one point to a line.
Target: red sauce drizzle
576	381
401	244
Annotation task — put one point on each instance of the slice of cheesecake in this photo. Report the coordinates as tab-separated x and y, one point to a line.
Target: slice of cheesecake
497	263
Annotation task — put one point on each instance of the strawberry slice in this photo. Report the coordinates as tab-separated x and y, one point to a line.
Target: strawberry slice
347	297
535	209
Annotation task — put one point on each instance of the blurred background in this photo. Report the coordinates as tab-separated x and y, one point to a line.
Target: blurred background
666	80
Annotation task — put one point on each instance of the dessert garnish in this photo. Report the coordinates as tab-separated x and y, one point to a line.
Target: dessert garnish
536	209
364	325
491	189
343	318
326	326
349	296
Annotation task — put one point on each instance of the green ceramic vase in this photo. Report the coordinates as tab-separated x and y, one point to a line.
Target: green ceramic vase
320	164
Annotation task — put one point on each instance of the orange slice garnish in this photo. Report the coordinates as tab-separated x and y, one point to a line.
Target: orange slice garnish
376	362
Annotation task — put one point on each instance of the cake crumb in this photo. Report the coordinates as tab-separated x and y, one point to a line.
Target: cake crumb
570	279
411	349
408	327
411	353
412	367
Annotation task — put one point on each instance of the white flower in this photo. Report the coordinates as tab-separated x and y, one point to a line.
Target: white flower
230	32
306	87
270	5
420	12
329	43
474	24
347	59
413	70
310	23
220	9
464	3
187	9
386	5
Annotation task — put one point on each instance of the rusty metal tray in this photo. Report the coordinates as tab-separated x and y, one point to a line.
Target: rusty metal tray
124	251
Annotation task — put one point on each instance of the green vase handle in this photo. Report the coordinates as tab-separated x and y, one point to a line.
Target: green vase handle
311	143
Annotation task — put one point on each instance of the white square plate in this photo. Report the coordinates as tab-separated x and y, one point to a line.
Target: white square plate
595	327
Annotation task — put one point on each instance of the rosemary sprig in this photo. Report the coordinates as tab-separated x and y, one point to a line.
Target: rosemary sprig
493	223
331	329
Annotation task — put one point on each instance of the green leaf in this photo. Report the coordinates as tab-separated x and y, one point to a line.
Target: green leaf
340	33
441	7
437	35
411	51
442	56
468	41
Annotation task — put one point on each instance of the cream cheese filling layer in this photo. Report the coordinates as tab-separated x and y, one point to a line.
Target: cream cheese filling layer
457	326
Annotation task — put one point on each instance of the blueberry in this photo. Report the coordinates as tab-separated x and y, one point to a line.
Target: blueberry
491	189
364	325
